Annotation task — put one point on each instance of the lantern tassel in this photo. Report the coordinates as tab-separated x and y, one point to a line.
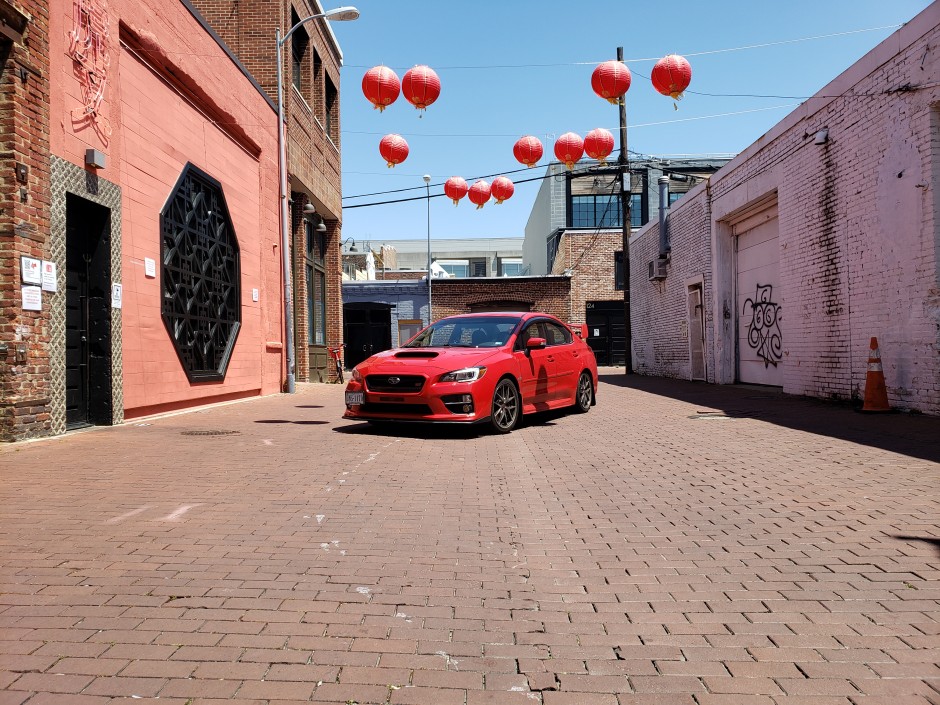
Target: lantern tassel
479	206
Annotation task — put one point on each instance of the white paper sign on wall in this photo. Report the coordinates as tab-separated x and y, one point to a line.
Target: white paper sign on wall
48	276
32	298
150	267
254	294
30	270
117	295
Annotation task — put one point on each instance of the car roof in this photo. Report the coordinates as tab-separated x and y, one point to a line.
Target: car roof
522	315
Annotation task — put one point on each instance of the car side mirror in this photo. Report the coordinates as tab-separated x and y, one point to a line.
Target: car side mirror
535	344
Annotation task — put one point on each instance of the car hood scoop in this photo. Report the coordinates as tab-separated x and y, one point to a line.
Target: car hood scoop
426	355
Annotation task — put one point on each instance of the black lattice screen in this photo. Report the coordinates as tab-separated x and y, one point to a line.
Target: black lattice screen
201	275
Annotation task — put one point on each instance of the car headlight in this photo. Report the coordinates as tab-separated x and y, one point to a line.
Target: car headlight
468	374
356	375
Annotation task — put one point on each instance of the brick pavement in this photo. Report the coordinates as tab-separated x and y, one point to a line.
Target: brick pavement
679	545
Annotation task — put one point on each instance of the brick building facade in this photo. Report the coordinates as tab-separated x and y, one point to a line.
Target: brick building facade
24	216
311	60
819	236
156	163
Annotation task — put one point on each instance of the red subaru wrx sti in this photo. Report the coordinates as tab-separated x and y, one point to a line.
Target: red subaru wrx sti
476	368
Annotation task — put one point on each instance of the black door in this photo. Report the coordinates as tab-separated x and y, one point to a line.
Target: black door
87	313
607	331
367	329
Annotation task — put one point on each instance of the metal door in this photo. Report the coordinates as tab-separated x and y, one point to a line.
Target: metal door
367	330
607	331
759	303
696	333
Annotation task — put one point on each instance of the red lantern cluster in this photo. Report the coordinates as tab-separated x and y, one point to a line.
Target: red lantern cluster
502	189
421	86
527	150
455	188
480	193
381	87
598	144
611	80
569	148
671	75
394	149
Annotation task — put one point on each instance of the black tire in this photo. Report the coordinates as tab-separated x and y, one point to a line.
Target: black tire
507	407
584	395
339	372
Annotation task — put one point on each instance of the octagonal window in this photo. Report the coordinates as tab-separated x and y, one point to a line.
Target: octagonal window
200	275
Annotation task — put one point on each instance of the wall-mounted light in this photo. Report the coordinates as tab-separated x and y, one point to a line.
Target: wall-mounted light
352	245
822	136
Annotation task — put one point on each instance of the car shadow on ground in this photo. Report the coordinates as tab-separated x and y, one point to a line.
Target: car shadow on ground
436	431
914	435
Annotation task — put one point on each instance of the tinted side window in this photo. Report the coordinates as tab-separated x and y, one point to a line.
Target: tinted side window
556	334
533	330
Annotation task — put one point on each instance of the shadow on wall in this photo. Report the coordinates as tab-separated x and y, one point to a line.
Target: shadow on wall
912	435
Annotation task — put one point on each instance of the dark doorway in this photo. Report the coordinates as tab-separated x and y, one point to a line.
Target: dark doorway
367	329
607	332
87	313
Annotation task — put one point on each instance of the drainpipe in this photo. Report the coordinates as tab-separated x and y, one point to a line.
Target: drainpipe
663	217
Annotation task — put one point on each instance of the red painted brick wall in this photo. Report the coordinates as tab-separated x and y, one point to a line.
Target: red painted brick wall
24	225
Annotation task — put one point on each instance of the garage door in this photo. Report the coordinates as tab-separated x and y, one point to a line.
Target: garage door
760	314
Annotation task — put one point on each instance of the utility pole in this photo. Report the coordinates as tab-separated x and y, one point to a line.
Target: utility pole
625	191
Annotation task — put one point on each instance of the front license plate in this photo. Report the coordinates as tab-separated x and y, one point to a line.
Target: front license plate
353	398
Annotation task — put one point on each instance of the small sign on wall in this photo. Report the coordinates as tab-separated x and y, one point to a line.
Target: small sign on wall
48	276
254	294
30	270
150	267
117	295
32	298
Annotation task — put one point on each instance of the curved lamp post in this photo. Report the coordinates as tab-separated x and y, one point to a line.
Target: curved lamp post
338	14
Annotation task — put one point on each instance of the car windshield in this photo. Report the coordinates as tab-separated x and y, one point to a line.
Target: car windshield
469	332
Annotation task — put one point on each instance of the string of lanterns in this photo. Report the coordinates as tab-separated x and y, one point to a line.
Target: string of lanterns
610	80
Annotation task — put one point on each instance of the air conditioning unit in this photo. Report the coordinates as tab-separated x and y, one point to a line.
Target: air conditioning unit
658	270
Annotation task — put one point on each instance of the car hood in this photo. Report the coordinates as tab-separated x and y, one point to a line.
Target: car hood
427	360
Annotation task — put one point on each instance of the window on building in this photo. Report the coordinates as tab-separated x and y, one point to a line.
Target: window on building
636	210
509	266
300	41
317	85
331	114
552	249
201	281
316	284
596	211
618	270
455	267
673	197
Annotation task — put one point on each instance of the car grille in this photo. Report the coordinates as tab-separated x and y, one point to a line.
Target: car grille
406	384
379	408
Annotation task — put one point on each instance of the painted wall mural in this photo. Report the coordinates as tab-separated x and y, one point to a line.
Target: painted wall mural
763	332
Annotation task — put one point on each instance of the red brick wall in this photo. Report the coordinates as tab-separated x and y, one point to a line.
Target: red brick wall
590	257
547	294
24	225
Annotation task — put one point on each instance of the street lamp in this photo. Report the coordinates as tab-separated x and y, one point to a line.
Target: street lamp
338	14
427	187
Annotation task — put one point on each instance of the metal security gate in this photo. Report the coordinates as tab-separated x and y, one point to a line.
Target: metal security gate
759	297
607	331
367	329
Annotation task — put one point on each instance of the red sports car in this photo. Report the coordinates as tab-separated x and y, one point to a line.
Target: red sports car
476	368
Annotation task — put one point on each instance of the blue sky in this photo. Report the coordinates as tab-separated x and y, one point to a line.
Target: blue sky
524	67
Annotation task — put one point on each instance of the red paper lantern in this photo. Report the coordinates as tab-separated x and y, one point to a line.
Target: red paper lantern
569	148
455	188
421	86
502	189
671	75
611	80
381	87
394	149
598	144
480	193
528	150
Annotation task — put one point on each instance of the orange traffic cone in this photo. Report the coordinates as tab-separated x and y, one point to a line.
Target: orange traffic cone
876	394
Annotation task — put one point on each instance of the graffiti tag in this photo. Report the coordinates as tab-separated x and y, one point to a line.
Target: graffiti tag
763	332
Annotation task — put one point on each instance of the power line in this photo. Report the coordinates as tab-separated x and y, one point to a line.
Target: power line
656	58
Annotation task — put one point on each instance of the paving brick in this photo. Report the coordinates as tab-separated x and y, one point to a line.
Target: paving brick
481	578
